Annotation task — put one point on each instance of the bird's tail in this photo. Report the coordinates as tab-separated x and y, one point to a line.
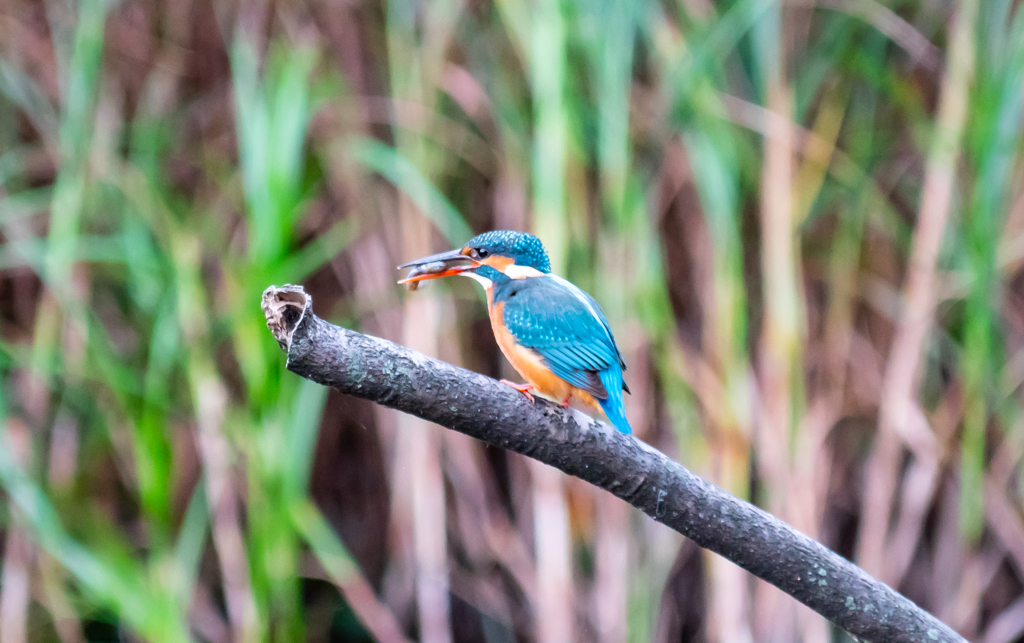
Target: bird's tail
612	405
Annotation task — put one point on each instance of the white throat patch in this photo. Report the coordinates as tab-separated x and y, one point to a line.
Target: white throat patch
483	281
522	272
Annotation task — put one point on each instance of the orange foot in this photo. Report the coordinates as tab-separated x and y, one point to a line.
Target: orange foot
522	388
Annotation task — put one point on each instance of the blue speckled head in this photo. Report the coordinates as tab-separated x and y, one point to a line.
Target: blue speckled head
525	249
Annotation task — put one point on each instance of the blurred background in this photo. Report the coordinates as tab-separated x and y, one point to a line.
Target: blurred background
805	221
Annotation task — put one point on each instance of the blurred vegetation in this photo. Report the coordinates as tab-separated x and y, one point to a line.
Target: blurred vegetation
804	220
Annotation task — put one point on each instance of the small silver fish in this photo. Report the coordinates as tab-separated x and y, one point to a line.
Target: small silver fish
425	269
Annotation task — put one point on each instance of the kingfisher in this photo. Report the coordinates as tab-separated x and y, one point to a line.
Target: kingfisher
554	334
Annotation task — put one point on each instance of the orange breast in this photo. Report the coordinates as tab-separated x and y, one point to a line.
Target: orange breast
529	364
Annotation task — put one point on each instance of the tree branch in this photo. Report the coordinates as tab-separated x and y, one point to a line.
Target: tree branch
386	373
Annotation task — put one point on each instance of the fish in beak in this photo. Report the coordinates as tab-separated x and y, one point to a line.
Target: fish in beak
444	264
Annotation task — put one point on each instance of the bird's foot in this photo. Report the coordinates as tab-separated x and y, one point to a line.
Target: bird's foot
565	402
522	388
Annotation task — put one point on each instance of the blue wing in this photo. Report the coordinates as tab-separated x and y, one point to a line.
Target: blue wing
569	331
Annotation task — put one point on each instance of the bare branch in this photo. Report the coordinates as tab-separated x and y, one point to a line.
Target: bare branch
386	373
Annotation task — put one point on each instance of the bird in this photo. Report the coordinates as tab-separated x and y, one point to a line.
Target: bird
553	333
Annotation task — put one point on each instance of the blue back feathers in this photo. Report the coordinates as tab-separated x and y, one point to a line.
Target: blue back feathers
567	328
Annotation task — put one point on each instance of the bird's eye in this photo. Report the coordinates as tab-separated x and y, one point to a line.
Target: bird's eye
482	252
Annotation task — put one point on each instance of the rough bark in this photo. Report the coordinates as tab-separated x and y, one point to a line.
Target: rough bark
386	373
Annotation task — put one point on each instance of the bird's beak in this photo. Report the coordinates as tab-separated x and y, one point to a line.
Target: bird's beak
443	264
